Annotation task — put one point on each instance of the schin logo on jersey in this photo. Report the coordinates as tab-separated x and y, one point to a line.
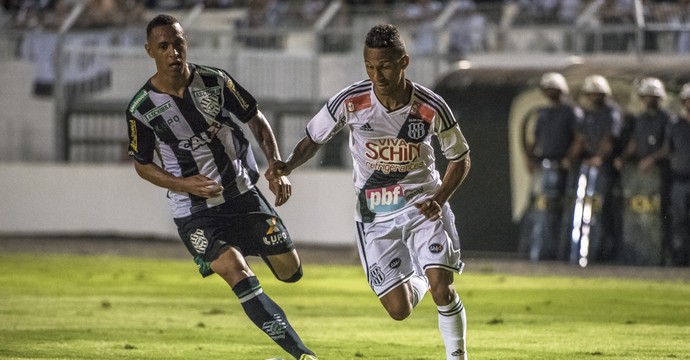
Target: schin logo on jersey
199	241
208	99
393	155
392	150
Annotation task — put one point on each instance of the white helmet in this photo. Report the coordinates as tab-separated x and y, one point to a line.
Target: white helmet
554	80
651	87
596	84
685	92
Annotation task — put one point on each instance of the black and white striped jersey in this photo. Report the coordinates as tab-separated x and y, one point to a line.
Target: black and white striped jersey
393	159
196	135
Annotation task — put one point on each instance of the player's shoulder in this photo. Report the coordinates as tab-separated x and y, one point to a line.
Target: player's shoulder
359	92
207	70
429	97
138	99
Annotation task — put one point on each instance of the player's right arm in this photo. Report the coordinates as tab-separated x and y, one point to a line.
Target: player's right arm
142	143
198	185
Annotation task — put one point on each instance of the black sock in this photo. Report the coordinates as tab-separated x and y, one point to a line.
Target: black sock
269	317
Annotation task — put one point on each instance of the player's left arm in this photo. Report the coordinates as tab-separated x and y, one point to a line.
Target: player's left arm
456	150
263	133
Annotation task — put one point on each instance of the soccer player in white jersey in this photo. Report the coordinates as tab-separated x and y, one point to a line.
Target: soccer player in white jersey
184	114
406	235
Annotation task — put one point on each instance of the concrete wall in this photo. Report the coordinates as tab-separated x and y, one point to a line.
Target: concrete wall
50	199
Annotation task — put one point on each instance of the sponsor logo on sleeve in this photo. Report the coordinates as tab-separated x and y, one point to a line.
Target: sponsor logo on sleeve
395	263
231	86
133	142
141	96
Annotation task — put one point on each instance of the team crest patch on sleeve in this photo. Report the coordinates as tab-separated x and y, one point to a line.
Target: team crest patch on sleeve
359	102
422	111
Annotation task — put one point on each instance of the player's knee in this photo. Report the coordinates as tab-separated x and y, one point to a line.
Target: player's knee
442	295
400	313
295	277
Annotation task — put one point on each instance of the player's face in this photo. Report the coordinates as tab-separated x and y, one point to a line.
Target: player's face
167	45
386	69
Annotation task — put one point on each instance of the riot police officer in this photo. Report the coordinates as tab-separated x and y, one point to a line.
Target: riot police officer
677	146
549	159
592	235
642	179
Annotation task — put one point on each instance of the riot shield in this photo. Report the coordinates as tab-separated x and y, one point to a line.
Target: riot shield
642	240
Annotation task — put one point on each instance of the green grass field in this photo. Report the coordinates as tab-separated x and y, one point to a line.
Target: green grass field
100	307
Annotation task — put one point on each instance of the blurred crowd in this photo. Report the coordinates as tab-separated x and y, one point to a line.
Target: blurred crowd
609	186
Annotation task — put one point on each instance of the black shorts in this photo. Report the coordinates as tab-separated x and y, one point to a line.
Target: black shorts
247	222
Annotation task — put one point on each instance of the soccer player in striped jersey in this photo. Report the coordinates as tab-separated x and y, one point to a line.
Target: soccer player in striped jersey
406	234
183	113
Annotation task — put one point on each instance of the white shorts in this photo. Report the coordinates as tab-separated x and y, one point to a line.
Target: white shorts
392	251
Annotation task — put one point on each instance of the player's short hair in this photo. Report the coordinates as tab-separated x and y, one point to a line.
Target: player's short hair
160	20
385	36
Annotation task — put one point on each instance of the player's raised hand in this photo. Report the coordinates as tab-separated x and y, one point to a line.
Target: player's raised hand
430	209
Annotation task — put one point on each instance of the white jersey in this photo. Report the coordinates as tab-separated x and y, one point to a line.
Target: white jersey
394	163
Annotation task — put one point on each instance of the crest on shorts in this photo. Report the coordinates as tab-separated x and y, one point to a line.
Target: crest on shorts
376	276
199	241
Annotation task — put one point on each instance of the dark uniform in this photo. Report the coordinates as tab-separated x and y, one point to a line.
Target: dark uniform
193	135
554	134
593	219
643	230
678	140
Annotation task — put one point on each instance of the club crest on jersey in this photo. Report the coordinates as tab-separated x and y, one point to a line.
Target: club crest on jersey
416	130
208	100
199	241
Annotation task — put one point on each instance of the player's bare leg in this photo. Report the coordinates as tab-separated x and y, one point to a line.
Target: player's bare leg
263	311
451	313
286	267
400	301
